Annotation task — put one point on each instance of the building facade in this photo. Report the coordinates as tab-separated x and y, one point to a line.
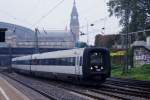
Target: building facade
18	36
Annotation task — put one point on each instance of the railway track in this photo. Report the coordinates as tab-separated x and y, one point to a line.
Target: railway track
131	84
111	89
118	92
90	92
135	83
43	89
29	86
125	91
87	91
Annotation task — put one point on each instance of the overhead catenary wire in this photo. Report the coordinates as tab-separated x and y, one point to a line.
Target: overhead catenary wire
141	31
94	22
13	17
50	11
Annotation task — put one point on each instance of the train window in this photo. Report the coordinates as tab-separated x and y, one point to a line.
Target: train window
60	61
34	62
41	62
64	61
51	61
96	61
28	62
46	61
13	62
54	61
74	59
96	57
68	60
71	61
57	61
81	61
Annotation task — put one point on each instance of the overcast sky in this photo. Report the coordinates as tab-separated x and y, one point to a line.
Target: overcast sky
29	12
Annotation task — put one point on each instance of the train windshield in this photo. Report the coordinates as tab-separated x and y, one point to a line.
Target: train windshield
96	61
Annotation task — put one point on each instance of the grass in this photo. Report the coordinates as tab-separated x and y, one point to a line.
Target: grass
139	73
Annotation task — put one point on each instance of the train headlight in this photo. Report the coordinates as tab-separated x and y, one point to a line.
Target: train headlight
96	61
102	67
98	69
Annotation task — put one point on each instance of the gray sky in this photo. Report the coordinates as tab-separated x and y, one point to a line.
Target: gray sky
28	12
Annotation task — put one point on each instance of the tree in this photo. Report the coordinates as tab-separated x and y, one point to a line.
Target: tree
138	13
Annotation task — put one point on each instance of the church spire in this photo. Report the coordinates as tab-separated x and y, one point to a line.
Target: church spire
74	23
74	9
74	3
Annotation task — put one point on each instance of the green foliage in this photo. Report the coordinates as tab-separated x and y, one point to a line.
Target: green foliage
116	71
136	11
139	73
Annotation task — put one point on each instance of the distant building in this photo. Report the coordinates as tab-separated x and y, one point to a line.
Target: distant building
22	37
15	34
62	38
141	53
108	41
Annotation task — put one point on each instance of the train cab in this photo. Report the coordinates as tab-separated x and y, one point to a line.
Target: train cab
96	65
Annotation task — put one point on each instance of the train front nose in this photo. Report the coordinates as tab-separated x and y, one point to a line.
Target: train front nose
98	64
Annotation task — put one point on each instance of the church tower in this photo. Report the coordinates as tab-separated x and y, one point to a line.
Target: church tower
74	23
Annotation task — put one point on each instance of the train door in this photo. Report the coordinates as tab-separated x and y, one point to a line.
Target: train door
30	65
77	65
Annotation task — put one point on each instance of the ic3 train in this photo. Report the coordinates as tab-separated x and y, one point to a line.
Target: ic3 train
81	65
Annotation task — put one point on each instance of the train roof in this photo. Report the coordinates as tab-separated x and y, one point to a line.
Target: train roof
53	54
60	54
22	57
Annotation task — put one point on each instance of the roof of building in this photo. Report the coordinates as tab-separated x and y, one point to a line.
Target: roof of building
55	34
17	30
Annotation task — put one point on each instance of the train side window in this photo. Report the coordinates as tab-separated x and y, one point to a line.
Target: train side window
13	62
63	61
49	61
46	62
26	62
72	61
67	61
40	61
34	61
56	61
81	61
60	61
53	62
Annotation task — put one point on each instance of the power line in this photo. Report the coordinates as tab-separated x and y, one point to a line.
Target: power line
94	22
50	11
146	30
13	17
